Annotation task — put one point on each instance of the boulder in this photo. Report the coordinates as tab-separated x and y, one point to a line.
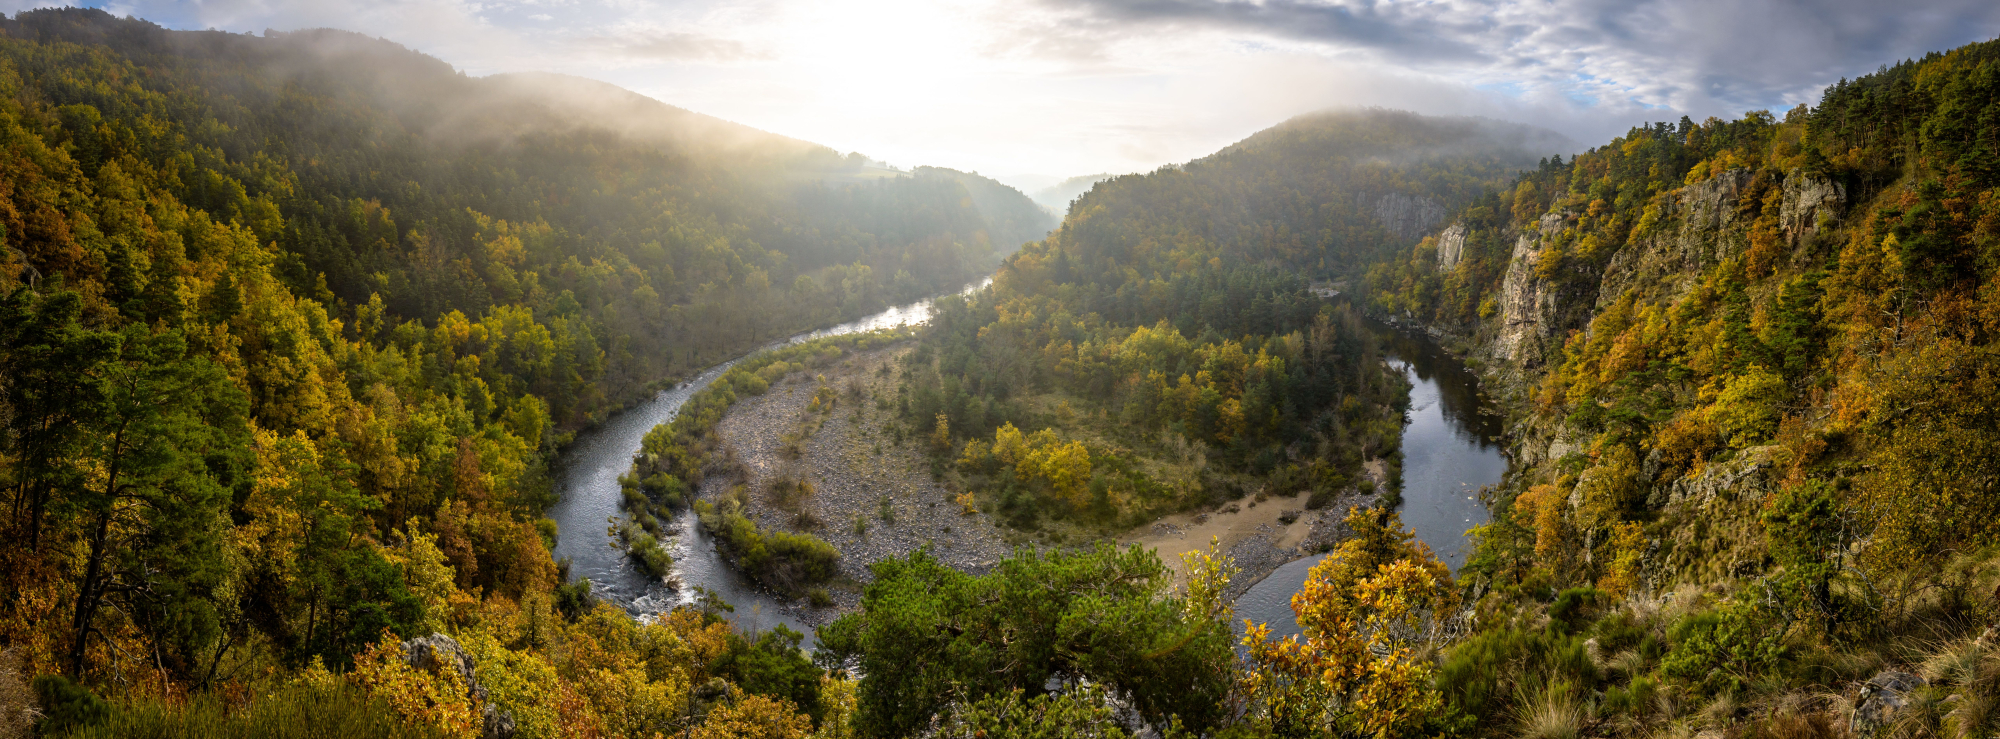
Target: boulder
497	724
1882	700
439	652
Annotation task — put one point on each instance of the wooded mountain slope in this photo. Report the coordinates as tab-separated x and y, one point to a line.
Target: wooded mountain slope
1752	368
290	326
1168	324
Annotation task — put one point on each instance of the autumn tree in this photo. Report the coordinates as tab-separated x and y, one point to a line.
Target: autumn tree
1372	613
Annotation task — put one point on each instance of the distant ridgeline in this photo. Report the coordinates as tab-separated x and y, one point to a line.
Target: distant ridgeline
1168	323
289	325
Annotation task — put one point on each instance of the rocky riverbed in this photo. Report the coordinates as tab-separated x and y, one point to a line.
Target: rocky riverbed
857	472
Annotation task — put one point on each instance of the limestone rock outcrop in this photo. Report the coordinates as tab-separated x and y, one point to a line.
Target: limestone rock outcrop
1527	305
1809	202
1451	247
1408	217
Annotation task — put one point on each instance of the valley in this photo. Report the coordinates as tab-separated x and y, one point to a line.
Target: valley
348	392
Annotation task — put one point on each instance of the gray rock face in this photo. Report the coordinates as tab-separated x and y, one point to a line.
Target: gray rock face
1881	700
1525	305
1451	247
1708	207
1742	477
439	652
1808	201
1408	217
1668	260
497	724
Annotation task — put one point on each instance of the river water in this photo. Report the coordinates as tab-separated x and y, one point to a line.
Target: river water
1451	448
587	486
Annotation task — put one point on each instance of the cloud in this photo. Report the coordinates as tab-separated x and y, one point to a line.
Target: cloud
1068	86
1709	56
671	46
1399	30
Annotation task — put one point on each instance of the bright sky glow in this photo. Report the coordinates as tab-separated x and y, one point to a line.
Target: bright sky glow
1016	87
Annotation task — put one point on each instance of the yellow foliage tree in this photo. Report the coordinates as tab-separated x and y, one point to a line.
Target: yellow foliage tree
437	698
1009	445
941	433
1371	613
754	717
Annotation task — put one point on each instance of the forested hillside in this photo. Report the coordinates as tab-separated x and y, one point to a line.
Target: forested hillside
1752	367
1162	349
291	325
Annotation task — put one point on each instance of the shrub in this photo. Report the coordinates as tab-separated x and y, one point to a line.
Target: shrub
1576	608
67	705
574	599
774	666
1479	672
1635	699
1714	651
782	560
667	489
652	558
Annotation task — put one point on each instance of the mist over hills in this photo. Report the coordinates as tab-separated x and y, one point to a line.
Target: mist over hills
1057	197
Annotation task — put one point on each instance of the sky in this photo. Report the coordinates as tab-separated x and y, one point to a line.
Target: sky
1031	90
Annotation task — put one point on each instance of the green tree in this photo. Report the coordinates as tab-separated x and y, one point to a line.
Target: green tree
46	360
928	635
164	453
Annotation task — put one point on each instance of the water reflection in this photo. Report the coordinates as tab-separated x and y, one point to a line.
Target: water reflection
1451	448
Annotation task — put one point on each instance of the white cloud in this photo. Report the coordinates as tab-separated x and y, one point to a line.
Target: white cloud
1125	85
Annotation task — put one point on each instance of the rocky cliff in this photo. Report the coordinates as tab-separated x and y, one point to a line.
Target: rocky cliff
1544	297
1409	218
1549	292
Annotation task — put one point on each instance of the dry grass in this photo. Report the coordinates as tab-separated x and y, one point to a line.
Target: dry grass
17	700
1552	712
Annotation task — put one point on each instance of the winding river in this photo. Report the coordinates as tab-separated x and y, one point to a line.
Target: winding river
587	483
1451	449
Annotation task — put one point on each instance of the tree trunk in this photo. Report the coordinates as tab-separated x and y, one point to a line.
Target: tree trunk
87	593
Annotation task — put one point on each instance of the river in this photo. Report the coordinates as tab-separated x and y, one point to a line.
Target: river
587	486
1451	449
